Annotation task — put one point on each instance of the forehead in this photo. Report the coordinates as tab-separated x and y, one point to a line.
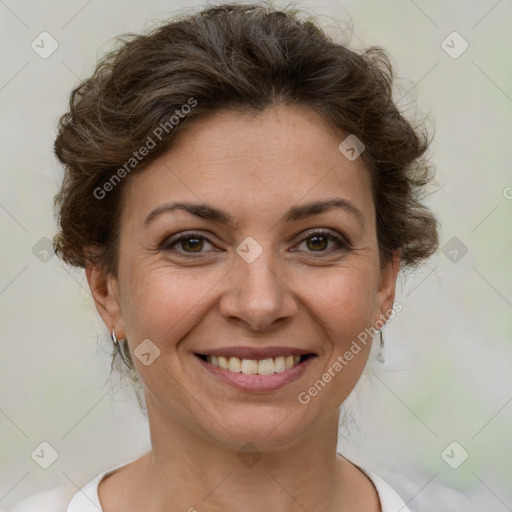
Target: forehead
254	163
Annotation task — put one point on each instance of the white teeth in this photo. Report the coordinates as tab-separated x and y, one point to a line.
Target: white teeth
279	364
249	366
254	367
265	367
234	364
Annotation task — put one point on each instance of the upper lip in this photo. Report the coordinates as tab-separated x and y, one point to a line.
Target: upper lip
255	353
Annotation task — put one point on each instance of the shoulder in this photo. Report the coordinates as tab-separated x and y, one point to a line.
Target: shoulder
390	501
87	498
388	498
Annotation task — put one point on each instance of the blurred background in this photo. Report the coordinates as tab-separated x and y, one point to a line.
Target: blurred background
434	421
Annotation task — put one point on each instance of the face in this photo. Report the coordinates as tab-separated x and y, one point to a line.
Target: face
248	267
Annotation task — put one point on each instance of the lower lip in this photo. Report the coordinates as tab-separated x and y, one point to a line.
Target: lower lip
256	383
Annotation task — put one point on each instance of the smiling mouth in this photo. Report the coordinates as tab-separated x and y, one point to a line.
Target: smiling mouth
267	366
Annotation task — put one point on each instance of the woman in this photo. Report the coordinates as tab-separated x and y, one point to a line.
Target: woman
242	193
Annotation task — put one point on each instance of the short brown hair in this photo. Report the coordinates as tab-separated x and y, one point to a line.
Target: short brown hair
246	57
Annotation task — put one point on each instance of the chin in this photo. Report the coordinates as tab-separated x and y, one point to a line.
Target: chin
268	427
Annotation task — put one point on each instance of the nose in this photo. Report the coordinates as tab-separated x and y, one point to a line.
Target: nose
257	295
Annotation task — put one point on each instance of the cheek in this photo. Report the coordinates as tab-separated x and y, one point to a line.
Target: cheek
163	303
356	304
345	298
346	308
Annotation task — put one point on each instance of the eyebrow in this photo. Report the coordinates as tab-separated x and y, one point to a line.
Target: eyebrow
296	213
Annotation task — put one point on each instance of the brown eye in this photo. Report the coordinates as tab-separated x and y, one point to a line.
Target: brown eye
195	244
319	242
187	243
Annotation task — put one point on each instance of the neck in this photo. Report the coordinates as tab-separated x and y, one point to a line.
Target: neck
190	472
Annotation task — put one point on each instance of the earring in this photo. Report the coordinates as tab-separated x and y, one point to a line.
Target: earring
380	355
121	347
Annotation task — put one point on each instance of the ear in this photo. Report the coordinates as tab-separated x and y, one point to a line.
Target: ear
105	291
386	292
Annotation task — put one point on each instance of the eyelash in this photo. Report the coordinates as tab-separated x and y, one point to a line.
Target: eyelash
342	244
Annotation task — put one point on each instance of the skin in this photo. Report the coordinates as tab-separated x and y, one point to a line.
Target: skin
254	167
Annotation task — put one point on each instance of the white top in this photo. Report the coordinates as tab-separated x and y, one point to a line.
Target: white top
86	500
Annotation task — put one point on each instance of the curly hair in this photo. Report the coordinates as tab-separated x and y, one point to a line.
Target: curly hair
245	57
